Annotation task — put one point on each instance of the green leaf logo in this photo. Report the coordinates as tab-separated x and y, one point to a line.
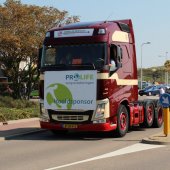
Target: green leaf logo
59	94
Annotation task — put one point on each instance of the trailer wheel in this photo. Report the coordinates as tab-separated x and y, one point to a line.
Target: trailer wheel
158	119
148	114
122	121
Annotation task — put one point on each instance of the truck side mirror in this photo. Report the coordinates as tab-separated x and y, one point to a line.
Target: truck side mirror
119	55
118	51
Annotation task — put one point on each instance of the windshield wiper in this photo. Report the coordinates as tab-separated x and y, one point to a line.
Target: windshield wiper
100	60
92	64
54	66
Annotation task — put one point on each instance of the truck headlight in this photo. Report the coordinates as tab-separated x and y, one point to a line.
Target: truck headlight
44	113
100	111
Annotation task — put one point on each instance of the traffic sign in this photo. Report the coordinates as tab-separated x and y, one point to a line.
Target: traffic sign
165	100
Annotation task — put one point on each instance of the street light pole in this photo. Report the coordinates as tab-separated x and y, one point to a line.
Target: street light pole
141	63
166	55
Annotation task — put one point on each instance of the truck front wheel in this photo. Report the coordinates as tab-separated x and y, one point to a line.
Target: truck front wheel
122	121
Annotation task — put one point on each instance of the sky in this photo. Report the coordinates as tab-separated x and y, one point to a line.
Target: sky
151	22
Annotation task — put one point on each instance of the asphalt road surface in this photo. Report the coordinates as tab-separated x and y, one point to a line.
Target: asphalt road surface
79	151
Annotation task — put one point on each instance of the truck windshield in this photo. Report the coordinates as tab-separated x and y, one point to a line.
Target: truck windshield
84	54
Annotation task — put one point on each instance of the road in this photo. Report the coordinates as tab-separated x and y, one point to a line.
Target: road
82	151
43	150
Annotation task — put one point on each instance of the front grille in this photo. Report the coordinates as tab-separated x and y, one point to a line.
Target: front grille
78	118
65	116
70	117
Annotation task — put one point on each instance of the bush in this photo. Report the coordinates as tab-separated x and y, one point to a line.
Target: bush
6	101
11	109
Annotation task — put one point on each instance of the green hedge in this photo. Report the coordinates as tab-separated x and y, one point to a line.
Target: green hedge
11	109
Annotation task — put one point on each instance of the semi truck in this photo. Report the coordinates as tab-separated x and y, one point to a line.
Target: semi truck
88	80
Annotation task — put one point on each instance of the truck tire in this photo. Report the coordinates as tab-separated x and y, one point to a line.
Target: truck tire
122	121
149	111
158	119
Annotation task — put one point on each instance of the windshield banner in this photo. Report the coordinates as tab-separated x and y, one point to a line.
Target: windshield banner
70	90
73	33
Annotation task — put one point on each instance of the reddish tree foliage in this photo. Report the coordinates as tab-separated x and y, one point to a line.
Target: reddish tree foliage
22	30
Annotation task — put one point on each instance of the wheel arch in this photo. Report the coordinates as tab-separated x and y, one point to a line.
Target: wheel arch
126	104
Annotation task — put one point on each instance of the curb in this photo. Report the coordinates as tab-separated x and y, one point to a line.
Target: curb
21	134
158	139
18	121
154	142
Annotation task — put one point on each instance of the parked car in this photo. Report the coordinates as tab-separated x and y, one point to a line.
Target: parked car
155	90
167	88
144	91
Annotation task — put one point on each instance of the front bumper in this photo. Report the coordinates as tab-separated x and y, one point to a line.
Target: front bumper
80	127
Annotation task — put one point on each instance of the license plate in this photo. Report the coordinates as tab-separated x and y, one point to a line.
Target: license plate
70	126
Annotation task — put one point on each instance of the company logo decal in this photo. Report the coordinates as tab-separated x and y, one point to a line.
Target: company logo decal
76	77
59	95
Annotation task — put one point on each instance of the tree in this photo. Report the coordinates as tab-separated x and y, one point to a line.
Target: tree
22	29
167	65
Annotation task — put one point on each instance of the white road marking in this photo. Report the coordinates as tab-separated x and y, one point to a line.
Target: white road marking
130	149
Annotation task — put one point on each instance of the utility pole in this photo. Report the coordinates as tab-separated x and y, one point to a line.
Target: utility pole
141	74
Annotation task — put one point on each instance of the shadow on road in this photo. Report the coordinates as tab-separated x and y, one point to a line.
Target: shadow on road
46	135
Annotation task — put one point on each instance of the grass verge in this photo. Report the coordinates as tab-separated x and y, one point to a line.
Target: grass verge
11	109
